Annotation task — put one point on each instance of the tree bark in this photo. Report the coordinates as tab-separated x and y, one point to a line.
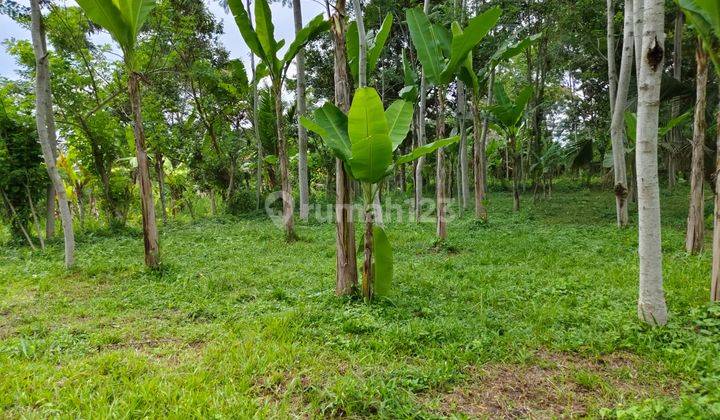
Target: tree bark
420	164
617	127
651	303
515	172
612	71
676	133
159	168
288	210
479	155
440	201
46	126
150	231
462	115
346	279
715	280
303	182
695	238
368	275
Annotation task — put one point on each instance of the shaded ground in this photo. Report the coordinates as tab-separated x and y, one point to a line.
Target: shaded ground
532	315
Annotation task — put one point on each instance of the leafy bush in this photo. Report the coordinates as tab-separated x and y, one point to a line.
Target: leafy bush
241	202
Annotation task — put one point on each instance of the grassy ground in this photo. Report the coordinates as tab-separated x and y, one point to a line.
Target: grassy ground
530	315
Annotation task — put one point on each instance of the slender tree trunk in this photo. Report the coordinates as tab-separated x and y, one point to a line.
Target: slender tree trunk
617	128
150	231
420	164
612	71
651	303
346	279
287	199
36	222
20	224
515	172
256	125
301	111
695	238
159	168
478	163
441	202
368	246
462	115
45	122
638	25
676	133
715	281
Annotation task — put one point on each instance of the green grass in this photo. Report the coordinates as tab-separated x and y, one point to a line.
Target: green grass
532	314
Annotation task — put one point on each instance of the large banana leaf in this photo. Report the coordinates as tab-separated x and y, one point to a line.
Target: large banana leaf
426	43
464	42
383	261
332	125
509	113
410	91
123	19
705	17
246	29
306	35
426	149
371	146
376	45
465	72
510	49
265	29
399	118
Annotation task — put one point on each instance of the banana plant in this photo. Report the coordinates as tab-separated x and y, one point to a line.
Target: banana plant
124	20
375	43
365	141
261	41
442	54
508	120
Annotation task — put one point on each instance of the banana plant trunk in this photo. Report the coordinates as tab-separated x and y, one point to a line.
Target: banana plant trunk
150	231
284	168
368	277
46	129
695	237
515	172
715	282
441	209
303	182
346	279
462	115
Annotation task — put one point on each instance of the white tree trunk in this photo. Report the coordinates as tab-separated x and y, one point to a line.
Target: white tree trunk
421	134
45	120
695	237
612	71
651	303
301	111
715	280
617	127
639	22
462	116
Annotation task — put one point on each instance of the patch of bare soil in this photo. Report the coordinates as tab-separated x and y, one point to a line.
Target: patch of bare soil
551	385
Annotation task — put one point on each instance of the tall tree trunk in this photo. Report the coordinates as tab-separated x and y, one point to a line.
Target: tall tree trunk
420	164
440	201
715	280
479	155
462	150
150	231
617	127
346	278
45	122
301	111
288	210
651	303
695	238
638	25
256	125
612	71
160	169
676	133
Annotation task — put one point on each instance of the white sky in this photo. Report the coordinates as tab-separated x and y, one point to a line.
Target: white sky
282	18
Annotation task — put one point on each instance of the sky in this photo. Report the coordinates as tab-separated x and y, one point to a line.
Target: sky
282	17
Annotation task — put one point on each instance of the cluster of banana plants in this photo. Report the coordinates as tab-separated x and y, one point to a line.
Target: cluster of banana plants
365	141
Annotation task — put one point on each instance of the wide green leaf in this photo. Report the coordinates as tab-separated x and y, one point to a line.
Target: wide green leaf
426	149
123	19
246	29
664	130
331	124
377	44
368	131
306	35
426	43
704	15
265	29
352	48
399	118
510	49
631	126
383	261
469	38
